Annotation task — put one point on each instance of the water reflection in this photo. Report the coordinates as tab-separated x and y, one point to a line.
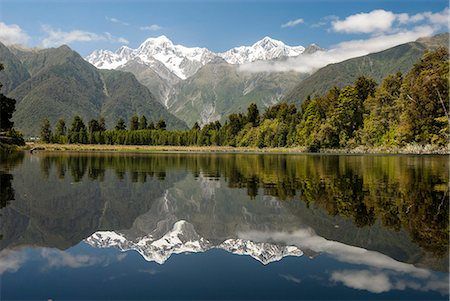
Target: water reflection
379	218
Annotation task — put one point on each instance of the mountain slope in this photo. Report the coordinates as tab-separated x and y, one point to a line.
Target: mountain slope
62	84
219	89
13	73
376	65
126	94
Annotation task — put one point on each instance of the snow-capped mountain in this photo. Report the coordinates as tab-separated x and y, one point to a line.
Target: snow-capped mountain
265	49
182	61
183	239
186	61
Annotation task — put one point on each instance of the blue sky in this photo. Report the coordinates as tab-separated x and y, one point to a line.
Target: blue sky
217	25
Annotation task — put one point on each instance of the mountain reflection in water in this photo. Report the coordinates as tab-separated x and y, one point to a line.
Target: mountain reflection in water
384	216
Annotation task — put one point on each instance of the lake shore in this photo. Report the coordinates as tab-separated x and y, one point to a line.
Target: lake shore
409	149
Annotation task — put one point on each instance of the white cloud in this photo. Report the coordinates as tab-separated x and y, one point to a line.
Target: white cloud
308	63
13	34
382	21
293	23
57	259
11	261
376	21
375	282
382	281
153	27
57	37
115	20
307	239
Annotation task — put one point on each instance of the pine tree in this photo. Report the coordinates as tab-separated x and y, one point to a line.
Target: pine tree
46	132
134	123
143	123
161	125
121	125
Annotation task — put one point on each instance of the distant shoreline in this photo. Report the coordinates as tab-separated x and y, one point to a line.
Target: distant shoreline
360	150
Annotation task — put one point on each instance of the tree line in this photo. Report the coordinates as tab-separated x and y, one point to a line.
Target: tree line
402	109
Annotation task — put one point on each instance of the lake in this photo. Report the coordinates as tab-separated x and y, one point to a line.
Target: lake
92	226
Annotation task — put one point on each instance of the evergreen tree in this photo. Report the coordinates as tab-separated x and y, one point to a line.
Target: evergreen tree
151	126
77	132
46	132
134	123
7	108
196	127
60	129
424	101
143	123
93	126
161	125
101	124
121	125
253	115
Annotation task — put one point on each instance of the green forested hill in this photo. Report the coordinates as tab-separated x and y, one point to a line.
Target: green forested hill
58	83
375	65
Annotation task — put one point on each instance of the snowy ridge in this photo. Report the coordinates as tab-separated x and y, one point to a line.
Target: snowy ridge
183	239
266	49
185	61
262	251
182	61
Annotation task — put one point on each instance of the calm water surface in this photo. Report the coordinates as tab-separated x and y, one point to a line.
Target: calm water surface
223	226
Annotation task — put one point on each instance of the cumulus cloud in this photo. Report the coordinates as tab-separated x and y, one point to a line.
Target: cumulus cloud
115	20
11	261
375	282
381	281
293	23
13	34
306	238
308	63
57	37
57	259
153	27
376	21
381	21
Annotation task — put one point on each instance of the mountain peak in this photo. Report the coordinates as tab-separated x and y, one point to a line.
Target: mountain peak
162	39
268	42
185	61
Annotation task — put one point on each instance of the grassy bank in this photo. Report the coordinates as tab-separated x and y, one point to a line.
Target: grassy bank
409	149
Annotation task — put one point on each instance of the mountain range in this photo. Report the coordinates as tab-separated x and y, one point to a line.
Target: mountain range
182	85
198	85
58	83
182	238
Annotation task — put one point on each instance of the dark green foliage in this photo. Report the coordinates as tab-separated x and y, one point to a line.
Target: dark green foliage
424	100
161	125
60	129
253	115
375	65
46	132
120	125
196	127
77	132
143	123
134	123
7	107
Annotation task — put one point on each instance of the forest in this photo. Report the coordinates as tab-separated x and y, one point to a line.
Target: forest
403	109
